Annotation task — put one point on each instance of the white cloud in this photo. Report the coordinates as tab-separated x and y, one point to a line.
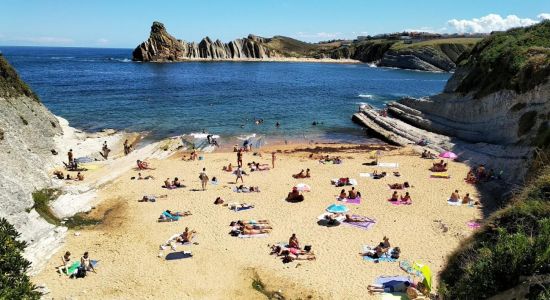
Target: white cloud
491	22
102	41
421	29
544	16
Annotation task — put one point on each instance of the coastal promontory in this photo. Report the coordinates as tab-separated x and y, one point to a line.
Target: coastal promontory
426	53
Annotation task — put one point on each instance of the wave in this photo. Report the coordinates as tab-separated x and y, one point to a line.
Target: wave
124	60
368	96
62	57
246	137
201	135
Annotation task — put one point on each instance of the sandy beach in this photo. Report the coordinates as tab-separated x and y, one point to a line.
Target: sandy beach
131	265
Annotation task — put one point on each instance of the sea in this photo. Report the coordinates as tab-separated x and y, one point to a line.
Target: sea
96	89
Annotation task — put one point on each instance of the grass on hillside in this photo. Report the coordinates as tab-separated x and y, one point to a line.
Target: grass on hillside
514	244
42	199
518	60
469	42
10	83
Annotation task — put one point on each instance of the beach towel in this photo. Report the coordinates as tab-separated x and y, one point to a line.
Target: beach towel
323	217
73	268
399	202
443	175
326	162
386	257
388	165
473	224
407	267
242	208
366	225
246	236
169	217
394	296
364	175
385	279
178	255
351	181
454	203
355	201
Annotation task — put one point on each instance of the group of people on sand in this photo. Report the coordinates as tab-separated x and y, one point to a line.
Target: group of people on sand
351	194
327	159
59	175
185	237
256	166
250	227
455	197
403	198
292	251
143	165
480	174
302	174
382	249
399	186
174	184
86	265
439	167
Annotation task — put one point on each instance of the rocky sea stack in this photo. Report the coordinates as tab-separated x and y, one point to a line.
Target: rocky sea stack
429	54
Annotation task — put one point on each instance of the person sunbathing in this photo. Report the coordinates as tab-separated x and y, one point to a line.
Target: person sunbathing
293	242
79	176
257	227
239	206
303	256
333	218
396	186
343	194
352	194
252	222
375	253
393	286
246	231
455	197
394	196
151	198
176	182
351	219
262	167
294	196
229	168
218	201
194	155
66	262
186	236
406	198
59	174
299	175
396	174
467	199
337	160
167	183
178	214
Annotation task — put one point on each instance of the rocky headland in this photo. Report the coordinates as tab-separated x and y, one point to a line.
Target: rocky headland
430	55
494	109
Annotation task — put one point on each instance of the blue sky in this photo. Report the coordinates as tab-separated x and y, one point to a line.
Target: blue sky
124	23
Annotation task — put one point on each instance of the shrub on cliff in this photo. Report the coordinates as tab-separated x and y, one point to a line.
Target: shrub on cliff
10	83
14	283
518	59
515	244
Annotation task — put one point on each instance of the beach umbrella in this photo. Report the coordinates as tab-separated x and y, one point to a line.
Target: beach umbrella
337	208
448	154
303	187
426	273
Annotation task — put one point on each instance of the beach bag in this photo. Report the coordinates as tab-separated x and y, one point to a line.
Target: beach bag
307	248
81	272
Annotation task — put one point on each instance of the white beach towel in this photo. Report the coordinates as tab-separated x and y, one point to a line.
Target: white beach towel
388	165
246	236
323	217
364	175
454	203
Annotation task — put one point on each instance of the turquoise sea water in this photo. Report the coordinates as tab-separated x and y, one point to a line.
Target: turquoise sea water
102	88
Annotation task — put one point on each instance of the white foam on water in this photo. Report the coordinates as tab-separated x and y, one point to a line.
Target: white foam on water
368	96
246	137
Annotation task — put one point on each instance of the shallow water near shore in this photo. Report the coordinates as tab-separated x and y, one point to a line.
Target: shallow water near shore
102	88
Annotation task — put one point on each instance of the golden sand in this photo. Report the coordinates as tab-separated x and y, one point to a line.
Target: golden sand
223	267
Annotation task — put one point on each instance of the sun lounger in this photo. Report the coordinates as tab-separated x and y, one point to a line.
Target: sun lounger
388	165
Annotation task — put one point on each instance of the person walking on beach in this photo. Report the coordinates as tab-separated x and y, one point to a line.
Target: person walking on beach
204	179
240	158
239	173
273	158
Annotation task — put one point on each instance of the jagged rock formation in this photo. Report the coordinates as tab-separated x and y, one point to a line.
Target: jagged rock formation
27	130
440	55
161	46
498	120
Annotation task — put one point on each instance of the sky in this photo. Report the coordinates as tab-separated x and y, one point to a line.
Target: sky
125	24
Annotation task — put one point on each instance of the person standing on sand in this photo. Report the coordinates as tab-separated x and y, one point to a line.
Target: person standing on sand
240	158
239	173
273	158
204	179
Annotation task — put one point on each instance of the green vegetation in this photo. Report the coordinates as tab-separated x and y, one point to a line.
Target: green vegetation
518	60
14	282
10	83
42	199
468	42
515	243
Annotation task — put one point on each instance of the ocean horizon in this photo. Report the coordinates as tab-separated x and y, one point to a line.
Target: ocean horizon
100	88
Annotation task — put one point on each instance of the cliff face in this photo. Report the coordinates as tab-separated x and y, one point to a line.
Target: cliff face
27	130
426	56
